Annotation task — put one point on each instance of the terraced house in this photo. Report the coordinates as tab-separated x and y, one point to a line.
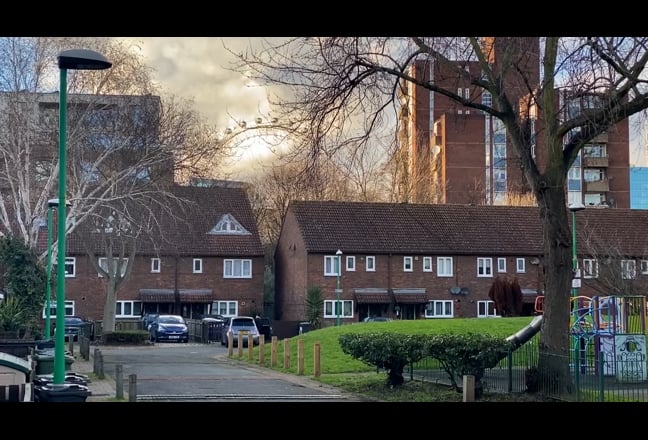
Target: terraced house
417	261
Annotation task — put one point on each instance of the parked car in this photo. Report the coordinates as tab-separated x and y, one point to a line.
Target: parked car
377	319
264	325
169	328
243	325
75	326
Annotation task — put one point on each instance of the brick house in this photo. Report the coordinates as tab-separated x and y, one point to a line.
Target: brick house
210	261
412	261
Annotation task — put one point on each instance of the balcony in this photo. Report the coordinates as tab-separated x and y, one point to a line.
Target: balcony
595	162
597	186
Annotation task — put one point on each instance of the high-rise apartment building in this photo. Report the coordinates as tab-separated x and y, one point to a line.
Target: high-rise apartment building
450	153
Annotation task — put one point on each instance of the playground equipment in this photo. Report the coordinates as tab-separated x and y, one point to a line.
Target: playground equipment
614	327
608	332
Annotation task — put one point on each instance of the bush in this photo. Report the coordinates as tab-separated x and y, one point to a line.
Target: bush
126	337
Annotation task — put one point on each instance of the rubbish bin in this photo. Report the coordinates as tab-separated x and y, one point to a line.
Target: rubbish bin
65	392
45	362
304	327
70	377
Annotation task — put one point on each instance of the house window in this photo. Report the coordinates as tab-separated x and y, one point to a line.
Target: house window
644	267
427	264
225	308
70	267
520	265
408	264
69	309
197	265
345	312
370	263
590	268
486	309
155	265
628	269
229	225
237	269
128	309
484	267
331	265
350	263
439	309
501	264
444	266
103	264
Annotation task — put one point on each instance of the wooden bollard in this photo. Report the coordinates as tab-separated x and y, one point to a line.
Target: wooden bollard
273	352
239	345
98	364
300	357
250	347
261	349
287	353
316	360
230	343
132	388
119	381
469	388
71	345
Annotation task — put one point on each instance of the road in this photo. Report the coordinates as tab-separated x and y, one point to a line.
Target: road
197	372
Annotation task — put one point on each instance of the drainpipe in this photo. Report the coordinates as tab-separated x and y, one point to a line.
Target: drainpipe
176	291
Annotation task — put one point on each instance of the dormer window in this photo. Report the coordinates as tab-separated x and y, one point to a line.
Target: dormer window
228	225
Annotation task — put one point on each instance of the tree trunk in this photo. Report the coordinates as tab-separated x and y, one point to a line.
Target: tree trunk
108	325
553	362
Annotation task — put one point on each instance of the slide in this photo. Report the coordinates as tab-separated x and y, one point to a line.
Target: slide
526	333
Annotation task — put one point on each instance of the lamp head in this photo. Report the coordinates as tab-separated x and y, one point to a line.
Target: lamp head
82	59
573	207
339	252
53	203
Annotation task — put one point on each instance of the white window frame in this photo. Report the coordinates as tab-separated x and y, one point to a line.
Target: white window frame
330	265
408	264
134	306
628	269
156	265
230	266
427	264
501	265
520	265
346	312
370	267
590	268
225	308
644	267
486	309
70	262
432	307
69	308
197	265
444	266
103	261
484	267
350	263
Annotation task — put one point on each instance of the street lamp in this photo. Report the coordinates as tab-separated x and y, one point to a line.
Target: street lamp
574	207
51	203
338	290
76	59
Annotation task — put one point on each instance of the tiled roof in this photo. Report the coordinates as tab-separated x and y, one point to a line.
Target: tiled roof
187	235
381	228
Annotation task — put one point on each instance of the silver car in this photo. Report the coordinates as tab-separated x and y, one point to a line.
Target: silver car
243	325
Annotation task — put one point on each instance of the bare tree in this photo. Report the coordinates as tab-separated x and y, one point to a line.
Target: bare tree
341	89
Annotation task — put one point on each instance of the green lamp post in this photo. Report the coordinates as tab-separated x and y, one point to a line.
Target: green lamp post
338	290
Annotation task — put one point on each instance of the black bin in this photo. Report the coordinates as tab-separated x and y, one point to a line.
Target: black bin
304	327
65	392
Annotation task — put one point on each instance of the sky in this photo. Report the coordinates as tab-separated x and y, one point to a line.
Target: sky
199	68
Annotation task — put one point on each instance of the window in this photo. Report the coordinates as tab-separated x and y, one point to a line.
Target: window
229	225
237	269
444	266
439	309
197	265
331	265
644	267
408	264
370	263
331	312
427	264
69	309
70	267
225	308
103	264
486	309
484	267
350	263
155	265
590	268
520	265
628	269
128	309
501	264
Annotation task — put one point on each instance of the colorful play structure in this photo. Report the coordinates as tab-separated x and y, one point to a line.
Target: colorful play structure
608	333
